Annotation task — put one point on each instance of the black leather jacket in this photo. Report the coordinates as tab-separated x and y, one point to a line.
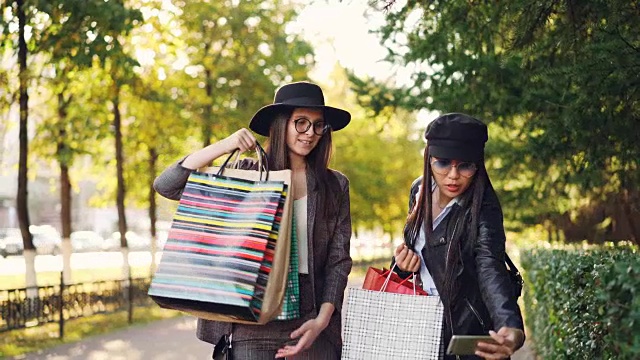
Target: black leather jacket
486	300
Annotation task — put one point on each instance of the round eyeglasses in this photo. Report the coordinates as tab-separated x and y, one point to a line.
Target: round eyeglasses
443	166
319	127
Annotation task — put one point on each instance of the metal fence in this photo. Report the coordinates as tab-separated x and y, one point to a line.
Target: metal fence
28	307
36	306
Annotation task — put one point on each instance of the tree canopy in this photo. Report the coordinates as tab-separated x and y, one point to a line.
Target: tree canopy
165	78
557	81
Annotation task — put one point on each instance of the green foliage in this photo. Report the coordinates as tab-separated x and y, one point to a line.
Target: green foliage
187	73
239	52
155	126
381	156
75	36
78	118
7	94
82	31
555	78
583	304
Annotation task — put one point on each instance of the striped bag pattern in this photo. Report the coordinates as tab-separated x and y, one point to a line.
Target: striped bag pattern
267	263
291	300
217	244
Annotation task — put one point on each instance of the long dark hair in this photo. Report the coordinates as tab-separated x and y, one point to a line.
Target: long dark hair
462	225
317	160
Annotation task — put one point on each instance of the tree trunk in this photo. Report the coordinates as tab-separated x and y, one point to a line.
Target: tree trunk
153	159
628	200
4	128
392	246
65	190
22	195
207	131
65	218
548	225
120	193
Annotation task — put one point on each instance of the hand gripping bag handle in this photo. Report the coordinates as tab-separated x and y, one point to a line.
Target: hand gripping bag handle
263	163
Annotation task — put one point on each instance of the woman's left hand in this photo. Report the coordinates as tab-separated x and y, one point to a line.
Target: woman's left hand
508	341
307	333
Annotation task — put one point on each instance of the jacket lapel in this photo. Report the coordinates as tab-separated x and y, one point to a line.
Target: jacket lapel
312	210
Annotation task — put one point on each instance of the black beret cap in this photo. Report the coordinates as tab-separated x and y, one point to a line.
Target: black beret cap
456	136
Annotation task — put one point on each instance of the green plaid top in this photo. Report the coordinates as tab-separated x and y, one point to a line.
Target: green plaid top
291	303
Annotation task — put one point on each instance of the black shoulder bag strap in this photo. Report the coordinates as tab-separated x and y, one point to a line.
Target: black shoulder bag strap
515	276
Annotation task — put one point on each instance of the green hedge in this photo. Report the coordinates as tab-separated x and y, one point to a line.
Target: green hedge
583	304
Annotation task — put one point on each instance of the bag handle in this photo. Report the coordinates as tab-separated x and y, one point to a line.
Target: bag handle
388	272
386	282
263	163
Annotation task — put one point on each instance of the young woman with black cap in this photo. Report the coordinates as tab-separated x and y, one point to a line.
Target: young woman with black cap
299	126
454	238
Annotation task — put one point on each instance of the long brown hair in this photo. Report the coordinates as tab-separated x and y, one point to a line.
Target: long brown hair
465	218
317	160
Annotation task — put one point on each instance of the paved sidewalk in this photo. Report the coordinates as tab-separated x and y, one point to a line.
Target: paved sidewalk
525	353
162	340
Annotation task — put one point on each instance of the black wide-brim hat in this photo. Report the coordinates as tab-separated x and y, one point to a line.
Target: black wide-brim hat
301	94
456	136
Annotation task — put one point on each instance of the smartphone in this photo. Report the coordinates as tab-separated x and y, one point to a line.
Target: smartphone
466	344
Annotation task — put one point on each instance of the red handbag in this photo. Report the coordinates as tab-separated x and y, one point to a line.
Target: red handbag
375	280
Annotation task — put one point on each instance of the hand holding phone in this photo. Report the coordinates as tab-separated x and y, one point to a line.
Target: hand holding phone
466	344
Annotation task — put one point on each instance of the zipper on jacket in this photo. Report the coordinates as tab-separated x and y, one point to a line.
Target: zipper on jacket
455	226
473	310
453	233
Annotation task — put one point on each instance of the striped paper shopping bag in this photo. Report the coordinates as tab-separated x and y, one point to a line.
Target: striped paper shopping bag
223	247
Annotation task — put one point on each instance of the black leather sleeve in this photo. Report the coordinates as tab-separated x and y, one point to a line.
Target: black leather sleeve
495	286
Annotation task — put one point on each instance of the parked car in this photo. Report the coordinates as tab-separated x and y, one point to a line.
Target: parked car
46	239
11	242
134	241
111	244
161	236
86	241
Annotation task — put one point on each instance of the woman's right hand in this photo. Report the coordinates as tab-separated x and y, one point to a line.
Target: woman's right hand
406	259
242	139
